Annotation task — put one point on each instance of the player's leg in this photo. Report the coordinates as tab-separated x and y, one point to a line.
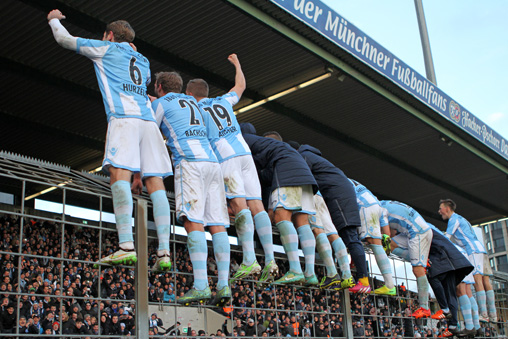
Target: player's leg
332	278
244	225
481	298
162	218
156	165
465	306
190	201
222	253
122	206
419	248
349	235
217	220
198	253
489	293
289	239
304	199
234	184
371	228
308	245
439	290
319	223
449	285
342	259
474	307
263	227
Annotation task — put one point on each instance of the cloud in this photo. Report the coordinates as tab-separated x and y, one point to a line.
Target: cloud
495	117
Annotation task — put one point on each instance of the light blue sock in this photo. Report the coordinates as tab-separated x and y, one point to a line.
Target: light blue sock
465	308
341	254
445	310
401	253
289	239
384	264
264	228
491	303
198	252
481	298
474	313
122	205
325	252
423	291
221	250
245	230
162	218
308	244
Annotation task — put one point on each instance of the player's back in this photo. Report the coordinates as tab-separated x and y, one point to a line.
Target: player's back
364	197
404	218
182	123
123	75
222	127
462	234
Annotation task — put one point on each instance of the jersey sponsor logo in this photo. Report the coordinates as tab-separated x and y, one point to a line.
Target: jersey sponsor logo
454	111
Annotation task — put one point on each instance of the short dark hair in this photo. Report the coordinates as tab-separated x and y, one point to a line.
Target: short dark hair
122	31
274	135
170	81
448	202
198	87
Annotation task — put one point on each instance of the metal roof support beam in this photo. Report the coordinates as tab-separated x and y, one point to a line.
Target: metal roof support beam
334	134
313	48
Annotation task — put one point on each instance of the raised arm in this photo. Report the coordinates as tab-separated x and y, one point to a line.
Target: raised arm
240	83
62	36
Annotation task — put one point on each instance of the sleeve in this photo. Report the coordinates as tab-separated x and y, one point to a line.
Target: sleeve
453	224
92	49
62	36
159	112
231	97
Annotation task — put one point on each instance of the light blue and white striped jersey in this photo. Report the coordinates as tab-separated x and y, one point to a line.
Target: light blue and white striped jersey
123	75
181	122
461	232
364	197
404	218
222	127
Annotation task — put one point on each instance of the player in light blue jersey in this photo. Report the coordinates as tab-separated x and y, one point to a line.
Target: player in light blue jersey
460	232
243	189
199	189
374	225
123	74
410	225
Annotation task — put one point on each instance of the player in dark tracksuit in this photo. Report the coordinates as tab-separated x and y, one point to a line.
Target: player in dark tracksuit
448	267
285	176
340	197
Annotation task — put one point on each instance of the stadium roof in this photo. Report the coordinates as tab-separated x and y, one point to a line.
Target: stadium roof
362	121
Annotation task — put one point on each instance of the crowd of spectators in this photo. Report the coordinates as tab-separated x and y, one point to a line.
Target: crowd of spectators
57	294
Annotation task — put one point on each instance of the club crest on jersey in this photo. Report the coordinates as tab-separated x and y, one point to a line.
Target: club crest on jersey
454	111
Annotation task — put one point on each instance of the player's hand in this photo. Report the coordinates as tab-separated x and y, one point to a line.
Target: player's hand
152	98
55	14
233	58
137	185
133	46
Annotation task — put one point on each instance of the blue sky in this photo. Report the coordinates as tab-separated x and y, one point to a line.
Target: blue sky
468	40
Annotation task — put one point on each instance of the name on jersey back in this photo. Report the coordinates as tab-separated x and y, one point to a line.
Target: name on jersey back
227	131
134	89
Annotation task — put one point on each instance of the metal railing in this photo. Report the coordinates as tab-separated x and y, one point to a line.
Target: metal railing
57	224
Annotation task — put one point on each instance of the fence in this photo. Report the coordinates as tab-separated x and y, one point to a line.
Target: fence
56	223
